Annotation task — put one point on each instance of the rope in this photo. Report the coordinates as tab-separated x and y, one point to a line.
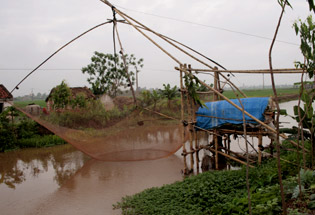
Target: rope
17	86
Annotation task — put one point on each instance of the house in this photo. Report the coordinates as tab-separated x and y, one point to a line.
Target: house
107	102
75	91
6	98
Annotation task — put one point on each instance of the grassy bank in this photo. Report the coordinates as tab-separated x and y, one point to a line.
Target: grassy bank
224	192
263	92
40	141
22	104
18	131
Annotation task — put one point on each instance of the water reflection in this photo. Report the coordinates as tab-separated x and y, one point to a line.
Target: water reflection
62	180
98	185
19	166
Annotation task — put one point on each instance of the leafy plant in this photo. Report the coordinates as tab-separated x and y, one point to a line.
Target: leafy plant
169	92
107	73
146	98
61	96
155	98
79	101
306	30
193	84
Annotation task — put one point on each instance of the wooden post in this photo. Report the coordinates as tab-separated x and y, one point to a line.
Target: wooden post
197	150
216	84
229	149
190	119
182	119
215	136
259	146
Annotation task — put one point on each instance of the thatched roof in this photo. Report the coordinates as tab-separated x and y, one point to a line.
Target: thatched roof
75	91
5	94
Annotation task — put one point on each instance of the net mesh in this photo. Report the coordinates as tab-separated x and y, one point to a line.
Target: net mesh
130	139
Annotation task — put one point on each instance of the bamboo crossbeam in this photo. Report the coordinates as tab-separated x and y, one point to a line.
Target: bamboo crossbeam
141	32
126	17
228	131
259	71
231	157
245	112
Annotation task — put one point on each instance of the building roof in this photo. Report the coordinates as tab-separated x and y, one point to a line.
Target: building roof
75	91
5	94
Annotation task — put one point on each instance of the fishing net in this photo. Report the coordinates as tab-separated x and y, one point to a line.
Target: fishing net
133	137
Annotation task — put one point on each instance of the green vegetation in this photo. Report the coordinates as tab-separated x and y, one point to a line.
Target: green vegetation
93	115
61	96
263	92
40	141
108	73
18	131
22	104
223	192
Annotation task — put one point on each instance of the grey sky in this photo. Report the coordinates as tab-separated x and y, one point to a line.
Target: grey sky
32	30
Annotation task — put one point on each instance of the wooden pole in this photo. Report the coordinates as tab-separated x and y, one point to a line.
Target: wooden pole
229	149
190	120
216	149
197	150
228	156
123	15
248	114
182	119
253	71
259	146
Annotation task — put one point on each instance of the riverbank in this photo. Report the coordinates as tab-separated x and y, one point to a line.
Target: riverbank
17	131
224	192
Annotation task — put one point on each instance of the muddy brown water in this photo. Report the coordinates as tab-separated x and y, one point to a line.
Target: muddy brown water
62	180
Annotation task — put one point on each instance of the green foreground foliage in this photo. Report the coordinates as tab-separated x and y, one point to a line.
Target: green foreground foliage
224	192
18	131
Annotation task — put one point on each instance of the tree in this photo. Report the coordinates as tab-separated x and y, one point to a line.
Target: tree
305	116
61	95
169	93
108	73
306	30
155	97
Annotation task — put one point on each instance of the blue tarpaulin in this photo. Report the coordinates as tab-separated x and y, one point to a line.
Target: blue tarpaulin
221	112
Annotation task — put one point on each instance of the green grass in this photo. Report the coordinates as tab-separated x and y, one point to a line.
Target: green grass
220	192
263	92
40	141
22	104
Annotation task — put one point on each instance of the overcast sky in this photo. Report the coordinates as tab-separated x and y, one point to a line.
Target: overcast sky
32	30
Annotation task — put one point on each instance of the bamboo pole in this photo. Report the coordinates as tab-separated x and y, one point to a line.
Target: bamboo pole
189	111
229	149
259	146
141	32
123	15
254	71
125	64
182	119
245	112
197	150
216	149
215	86
231	157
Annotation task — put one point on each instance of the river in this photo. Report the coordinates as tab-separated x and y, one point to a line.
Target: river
62	180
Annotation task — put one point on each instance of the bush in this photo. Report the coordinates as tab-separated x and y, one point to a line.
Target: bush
40	141
93	116
218	192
